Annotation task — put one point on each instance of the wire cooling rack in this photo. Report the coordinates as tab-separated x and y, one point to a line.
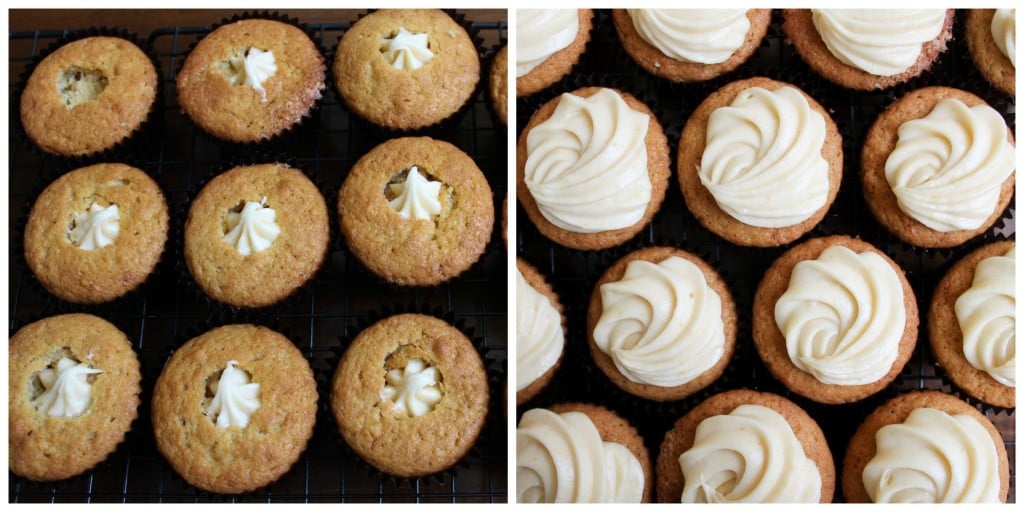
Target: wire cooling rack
340	301
573	274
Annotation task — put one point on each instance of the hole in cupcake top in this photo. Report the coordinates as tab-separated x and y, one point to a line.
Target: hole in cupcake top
250	226
406	50
96	227
412	386
415	194
64	387
249	67
231	397
77	86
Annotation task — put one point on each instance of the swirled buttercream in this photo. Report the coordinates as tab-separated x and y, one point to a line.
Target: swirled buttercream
1004	33
948	168
235	398
560	458
883	42
933	457
703	36
541	33
661	323
539	335
413	390
987	316
843	316
406	50
586	165
417	197
96	227
762	161
66	389
750	455
253	69
252	230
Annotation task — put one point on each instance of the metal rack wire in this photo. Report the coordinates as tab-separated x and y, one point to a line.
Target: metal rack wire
573	274
165	313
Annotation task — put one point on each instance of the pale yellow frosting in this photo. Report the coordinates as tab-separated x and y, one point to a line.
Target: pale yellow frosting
67	391
95	228
933	457
762	161
988	320
560	458
235	398
703	36
882	42
417	197
253	69
252	230
843	316
948	168
750	455
406	50
541	33
586	165
539	335
1004	33
661	323
413	390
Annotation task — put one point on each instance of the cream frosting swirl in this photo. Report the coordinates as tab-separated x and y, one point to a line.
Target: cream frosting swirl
948	168
1004	33
661	323
883	42
703	36
541	33
252	230
96	227
539	335
417	197
843	316
560	458
933	457
253	70
66	389
235	398
586	165
762	161
413	390
987	316
750	455
406	50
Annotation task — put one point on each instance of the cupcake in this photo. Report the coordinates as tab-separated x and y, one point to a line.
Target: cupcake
992	39
88	96
255	234
869	49
926	447
416	211
691	45
760	162
498	84
972	321
549	43
661	324
96	233
580	453
540	332
234	408
937	167
745	446
251	79
73	384
410	395
835	319
405	69
587	185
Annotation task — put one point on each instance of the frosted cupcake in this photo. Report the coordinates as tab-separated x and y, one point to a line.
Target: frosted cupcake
549	43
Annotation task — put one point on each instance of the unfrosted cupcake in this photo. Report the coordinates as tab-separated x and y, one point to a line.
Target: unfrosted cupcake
937	167
972	323
869	49
498	84
688	45
549	43
992	39
592	168
540	332
835	319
